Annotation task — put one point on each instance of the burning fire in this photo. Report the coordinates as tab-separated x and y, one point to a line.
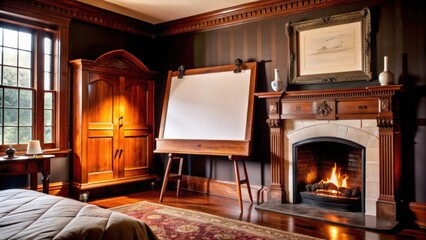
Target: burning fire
336	185
336	179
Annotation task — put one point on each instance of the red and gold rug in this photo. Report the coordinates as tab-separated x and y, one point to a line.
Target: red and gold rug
177	223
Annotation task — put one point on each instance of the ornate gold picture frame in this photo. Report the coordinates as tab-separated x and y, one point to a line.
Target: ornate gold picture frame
330	49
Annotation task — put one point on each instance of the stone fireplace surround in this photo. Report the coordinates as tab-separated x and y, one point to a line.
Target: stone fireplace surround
367	116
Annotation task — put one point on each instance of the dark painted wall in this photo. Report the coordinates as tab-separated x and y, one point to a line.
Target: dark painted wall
398	29
89	41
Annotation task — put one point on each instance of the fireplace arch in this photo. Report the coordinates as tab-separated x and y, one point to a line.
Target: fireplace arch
361	132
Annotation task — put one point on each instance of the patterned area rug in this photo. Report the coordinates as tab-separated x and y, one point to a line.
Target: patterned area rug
177	223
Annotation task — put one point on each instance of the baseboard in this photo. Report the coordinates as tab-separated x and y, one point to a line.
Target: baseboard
221	188
419	210
57	188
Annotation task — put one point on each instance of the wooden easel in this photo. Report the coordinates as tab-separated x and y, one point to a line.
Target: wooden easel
168	175
199	128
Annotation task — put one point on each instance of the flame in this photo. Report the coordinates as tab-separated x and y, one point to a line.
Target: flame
336	179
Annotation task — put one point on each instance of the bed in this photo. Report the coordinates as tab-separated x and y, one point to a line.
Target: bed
28	214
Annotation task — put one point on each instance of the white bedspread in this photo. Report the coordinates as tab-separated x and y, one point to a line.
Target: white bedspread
27	214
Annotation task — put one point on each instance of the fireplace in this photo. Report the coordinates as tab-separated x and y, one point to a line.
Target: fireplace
329	172
364	119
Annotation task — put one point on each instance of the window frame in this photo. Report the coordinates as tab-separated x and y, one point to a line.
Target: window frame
58	29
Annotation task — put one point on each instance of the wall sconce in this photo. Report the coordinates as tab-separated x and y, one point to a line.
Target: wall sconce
34	148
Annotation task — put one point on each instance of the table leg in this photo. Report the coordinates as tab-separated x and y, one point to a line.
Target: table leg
33	181
46	172
45	180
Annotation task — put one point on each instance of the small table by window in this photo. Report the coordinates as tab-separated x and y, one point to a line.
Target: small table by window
32	165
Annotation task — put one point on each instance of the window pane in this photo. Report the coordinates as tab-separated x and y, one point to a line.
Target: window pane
10	97
10	38
24	77
1	56
48	100
10	117
24	134
24	59
10	77
48	135
47	117
25	41
10	135
25	117
47	46
10	57
47	81
1	116
26	99
47	64
1	36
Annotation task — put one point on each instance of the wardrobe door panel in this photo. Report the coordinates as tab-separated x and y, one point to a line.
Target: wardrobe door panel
100	97
100	160
136	155
136	102
102	142
138	120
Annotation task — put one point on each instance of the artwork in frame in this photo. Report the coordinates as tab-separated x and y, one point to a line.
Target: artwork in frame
330	49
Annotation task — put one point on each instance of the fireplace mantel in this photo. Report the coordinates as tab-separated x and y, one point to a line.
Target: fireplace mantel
374	102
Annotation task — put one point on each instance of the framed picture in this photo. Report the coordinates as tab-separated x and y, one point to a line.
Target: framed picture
330	49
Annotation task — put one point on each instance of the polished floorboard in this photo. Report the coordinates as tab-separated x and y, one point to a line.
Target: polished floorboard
229	208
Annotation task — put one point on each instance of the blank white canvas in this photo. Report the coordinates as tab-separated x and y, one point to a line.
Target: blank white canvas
211	106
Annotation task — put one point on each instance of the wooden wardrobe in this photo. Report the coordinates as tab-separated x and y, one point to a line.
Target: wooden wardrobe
113	122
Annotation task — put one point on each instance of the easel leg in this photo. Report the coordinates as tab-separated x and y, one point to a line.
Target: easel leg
166	177
179	176
237	179
239	182
247	181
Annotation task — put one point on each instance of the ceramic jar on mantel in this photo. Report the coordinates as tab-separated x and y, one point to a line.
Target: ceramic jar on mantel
277	84
386	77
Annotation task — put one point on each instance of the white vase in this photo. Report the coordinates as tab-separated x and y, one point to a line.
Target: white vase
386	77
277	84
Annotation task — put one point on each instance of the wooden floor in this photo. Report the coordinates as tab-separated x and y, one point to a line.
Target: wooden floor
229	208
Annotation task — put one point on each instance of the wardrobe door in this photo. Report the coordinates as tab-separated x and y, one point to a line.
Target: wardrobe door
102	133
137	104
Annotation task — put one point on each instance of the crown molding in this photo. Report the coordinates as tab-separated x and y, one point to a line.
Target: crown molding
72	9
243	13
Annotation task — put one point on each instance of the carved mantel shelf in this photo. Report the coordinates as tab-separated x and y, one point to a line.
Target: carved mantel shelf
374	102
